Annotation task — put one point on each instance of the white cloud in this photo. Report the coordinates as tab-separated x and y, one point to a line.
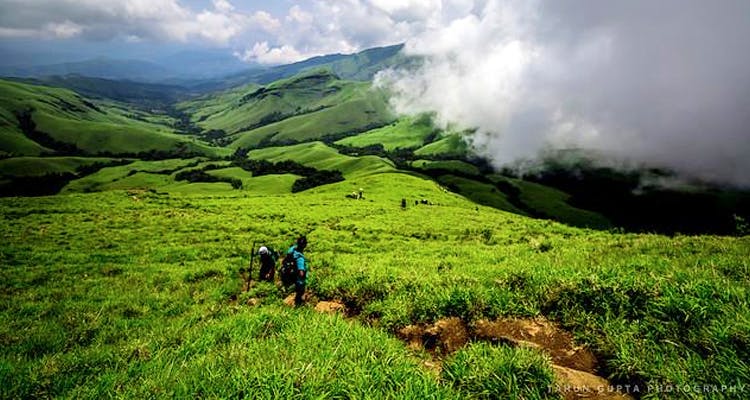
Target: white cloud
223	6
166	20
298	16
64	30
263	54
662	84
12	33
344	26
265	21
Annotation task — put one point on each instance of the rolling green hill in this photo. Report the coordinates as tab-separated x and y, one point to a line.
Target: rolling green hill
37	166
451	145
306	107
361	66
320	156
322	122
138	94
37	119
406	133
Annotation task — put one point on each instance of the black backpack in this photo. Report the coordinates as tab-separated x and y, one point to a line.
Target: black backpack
288	270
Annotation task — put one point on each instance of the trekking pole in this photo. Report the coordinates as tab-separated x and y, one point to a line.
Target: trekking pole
250	268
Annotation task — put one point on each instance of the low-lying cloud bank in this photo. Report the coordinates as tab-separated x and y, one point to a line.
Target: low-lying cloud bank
656	83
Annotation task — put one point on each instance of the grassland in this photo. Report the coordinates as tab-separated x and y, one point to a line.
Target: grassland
137	291
138	294
406	133
64	121
37	166
306	107
447	165
451	145
320	156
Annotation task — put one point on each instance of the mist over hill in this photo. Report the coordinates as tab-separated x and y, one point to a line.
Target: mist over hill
329	101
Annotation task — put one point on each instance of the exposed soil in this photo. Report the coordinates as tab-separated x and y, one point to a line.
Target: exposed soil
541	334
329	307
575	367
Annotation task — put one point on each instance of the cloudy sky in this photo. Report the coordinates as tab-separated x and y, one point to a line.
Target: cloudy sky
269	32
663	83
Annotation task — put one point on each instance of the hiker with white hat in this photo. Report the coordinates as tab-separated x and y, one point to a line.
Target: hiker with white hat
268	258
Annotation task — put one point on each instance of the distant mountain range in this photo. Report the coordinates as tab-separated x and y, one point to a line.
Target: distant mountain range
207	70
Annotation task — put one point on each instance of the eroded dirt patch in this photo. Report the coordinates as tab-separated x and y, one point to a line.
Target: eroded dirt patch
541	334
444	336
329	307
575	366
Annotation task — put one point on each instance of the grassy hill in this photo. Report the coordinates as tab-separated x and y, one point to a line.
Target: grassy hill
309	106
361	138
406	133
38	166
320	156
138	94
140	294
38	120
451	145
360	66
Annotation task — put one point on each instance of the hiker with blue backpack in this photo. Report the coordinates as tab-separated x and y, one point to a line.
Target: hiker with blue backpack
294	269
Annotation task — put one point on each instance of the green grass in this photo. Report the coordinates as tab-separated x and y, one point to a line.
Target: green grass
91	126
481	193
547	202
14	143
447	165
349	117
264	185
37	166
270	185
137	175
320	156
306	107
553	203
487	372
451	145
406	133
103	295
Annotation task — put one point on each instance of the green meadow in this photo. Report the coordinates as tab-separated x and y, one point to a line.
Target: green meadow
127	276
38	120
141	294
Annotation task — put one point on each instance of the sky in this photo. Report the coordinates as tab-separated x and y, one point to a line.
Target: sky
265	32
660	83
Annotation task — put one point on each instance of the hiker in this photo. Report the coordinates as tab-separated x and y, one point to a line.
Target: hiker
268	258
296	251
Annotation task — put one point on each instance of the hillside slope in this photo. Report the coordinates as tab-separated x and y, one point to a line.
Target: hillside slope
360	66
143	294
305	107
38	119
